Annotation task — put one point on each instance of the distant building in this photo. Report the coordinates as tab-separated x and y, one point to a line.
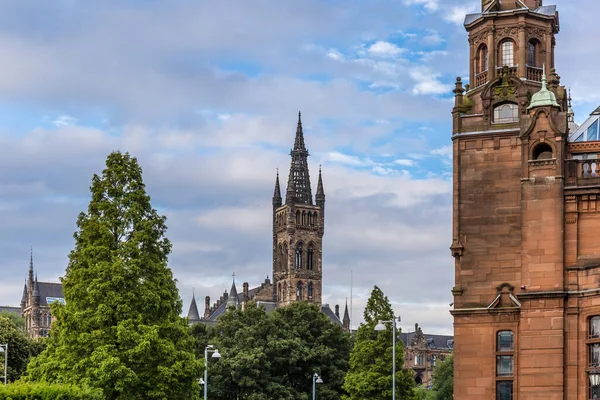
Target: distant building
422	352
298	227
35	304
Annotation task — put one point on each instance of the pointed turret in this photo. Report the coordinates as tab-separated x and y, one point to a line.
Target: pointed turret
320	197
298	188
346	319
277	201
24	298
193	314
36	292
232	300
544	97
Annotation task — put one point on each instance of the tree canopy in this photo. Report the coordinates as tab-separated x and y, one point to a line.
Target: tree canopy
19	350
274	355
370	374
443	379
119	329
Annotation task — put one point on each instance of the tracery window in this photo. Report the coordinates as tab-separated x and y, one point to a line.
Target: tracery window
505	347
303	217
298	217
310	258
298	262
419	359
310	290
507	53
299	291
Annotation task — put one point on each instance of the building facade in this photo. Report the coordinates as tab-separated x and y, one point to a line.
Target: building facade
35	303
298	228
422	352
525	217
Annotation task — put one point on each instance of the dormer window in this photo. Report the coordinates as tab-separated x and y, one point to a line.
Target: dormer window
506	113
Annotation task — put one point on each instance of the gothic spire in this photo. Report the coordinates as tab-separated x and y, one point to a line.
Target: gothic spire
36	288
298	188
320	197
31	269
346	319
277	192
232	300
24	298
193	314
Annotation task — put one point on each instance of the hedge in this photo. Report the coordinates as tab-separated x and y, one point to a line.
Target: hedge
46	391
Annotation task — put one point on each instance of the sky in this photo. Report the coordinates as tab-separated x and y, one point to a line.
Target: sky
206	95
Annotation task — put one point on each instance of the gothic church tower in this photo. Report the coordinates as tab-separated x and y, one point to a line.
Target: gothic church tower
298	226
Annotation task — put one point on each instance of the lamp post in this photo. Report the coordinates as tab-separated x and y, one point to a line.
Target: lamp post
215	354
594	377
316	379
4	349
381	327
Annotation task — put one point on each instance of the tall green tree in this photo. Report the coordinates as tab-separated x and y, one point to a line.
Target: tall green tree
443	379
120	329
370	375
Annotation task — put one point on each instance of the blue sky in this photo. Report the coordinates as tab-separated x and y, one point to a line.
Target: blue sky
206	95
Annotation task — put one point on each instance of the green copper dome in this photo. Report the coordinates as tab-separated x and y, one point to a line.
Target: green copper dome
544	97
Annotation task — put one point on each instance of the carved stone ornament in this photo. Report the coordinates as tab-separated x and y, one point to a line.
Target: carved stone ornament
506	90
509	31
478	39
535	32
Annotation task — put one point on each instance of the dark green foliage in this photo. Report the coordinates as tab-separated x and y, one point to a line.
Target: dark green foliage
273	356
19	350
120	329
370	375
443	379
47	391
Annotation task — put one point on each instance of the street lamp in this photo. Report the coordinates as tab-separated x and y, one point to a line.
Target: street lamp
381	327
215	354
4	349
316	379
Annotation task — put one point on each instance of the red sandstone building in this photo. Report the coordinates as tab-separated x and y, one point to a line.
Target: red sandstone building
526	217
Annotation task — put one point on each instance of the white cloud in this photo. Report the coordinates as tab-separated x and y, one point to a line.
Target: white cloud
405	162
385	49
456	14
431	5
428	82
64	120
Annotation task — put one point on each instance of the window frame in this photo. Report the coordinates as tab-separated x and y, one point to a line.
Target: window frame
505	53
592	341
504	352
514	108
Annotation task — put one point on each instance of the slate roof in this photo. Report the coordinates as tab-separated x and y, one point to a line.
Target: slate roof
543	10
441	342
193	314
48	289
9	309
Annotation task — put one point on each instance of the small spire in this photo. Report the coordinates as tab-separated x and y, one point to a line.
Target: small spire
193	314
36	287
232	299
544	97
320	196
346	319
24	298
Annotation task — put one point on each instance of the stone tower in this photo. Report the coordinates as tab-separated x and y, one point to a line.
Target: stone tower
298	226
510	151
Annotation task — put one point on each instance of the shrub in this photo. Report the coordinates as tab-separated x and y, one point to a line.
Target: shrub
47	391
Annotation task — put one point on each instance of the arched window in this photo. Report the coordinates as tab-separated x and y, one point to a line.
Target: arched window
505	347
45	323
304	218
507	53
284	260
298	217
298	262
543	151
506	113
299	291
309	257
532	50
482	59
285	291
310	290
49	320
280	258
312	218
